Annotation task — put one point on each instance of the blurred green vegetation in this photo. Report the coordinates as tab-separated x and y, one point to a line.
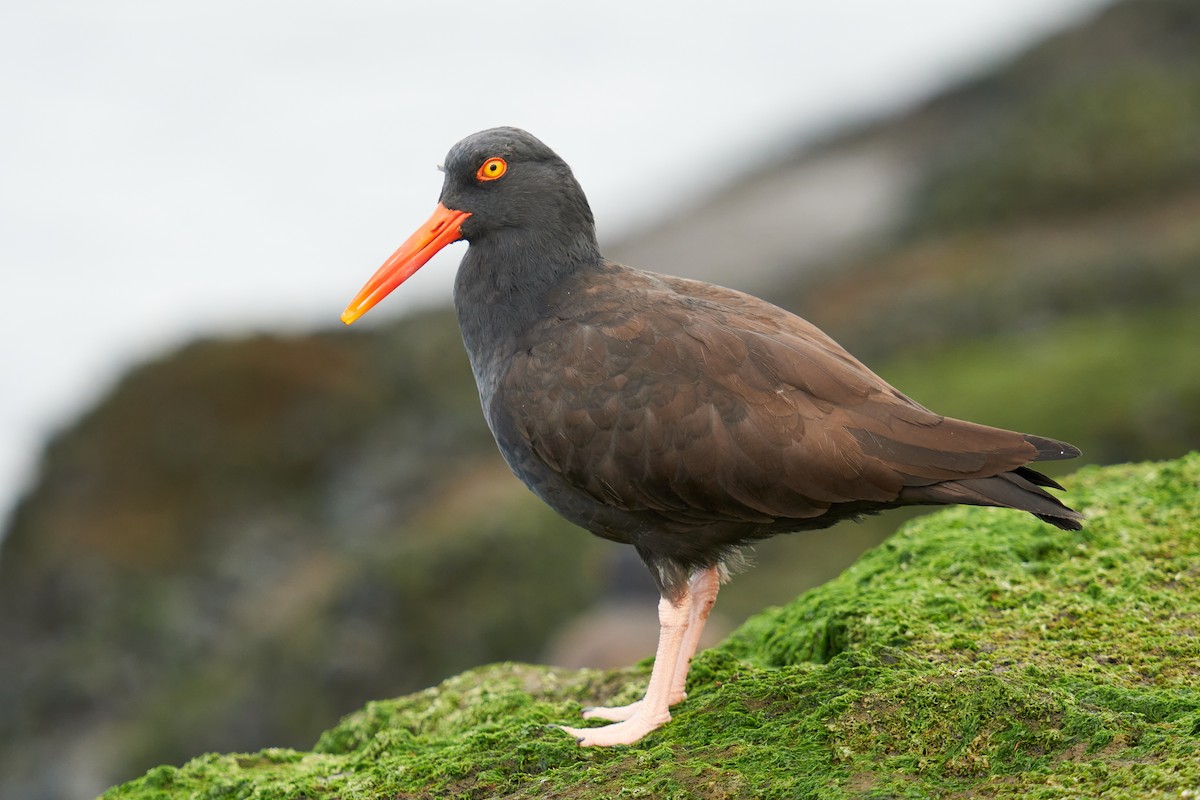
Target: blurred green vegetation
1124	385
1102	140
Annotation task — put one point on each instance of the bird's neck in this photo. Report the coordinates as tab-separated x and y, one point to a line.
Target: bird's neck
504	283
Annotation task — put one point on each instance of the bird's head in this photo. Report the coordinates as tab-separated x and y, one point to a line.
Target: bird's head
503	187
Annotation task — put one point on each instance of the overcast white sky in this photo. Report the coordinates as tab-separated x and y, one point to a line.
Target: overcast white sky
210	166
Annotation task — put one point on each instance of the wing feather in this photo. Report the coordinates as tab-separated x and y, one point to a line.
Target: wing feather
659	394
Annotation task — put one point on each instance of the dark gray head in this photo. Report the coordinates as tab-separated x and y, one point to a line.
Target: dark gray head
518	205
510	182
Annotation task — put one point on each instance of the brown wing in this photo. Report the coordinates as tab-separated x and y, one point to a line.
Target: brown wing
659	394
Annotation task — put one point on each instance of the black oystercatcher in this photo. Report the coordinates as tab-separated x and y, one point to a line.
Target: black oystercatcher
673	415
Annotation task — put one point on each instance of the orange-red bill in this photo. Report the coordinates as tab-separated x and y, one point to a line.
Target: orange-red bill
440	230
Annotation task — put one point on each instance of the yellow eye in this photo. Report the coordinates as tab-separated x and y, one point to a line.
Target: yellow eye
491	169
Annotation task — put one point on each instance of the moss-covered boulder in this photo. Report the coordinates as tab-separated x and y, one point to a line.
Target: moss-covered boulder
977	653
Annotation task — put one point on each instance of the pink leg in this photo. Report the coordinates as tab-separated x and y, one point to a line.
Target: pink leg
654	709
702	594
704	587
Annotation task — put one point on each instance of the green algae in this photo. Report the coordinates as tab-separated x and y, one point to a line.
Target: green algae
976	653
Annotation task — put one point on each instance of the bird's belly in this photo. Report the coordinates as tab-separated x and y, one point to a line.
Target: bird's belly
555	491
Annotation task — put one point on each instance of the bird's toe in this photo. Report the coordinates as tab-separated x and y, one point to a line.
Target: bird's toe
612	713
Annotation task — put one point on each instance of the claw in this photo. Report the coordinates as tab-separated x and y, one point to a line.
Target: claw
574	733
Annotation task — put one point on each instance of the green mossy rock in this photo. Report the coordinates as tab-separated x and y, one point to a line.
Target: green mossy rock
977	653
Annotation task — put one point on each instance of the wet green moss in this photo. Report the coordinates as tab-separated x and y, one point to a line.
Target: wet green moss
977	653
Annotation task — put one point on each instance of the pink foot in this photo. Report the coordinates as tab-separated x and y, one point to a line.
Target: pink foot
622	713
626	732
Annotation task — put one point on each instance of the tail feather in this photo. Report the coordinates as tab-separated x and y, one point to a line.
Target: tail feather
1033	476
1019	489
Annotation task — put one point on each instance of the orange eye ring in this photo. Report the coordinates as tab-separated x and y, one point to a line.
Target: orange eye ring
492	169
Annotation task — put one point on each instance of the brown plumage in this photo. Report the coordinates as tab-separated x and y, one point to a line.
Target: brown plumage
680	417
686	419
